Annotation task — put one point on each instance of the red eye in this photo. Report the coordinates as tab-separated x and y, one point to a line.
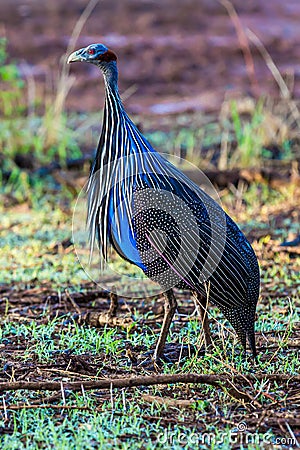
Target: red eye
91	51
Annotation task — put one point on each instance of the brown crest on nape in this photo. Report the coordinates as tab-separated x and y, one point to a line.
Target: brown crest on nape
108	56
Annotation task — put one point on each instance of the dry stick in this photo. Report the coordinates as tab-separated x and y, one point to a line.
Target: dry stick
99	319
35	406
167	400
244	44
219	381
65	82
292	434
114	303
79	25
72	301
285	92
107	383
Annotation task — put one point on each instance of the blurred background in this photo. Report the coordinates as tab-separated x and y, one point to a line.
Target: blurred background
212	81
180	56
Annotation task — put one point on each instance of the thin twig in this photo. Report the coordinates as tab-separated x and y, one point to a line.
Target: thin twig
73	303
36	406
285	92
65	81
244	45
296	443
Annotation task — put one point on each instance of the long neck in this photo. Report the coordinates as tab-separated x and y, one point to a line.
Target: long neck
119	136
112	116
110	74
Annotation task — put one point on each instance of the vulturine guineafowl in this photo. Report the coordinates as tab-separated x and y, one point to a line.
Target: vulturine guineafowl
158	219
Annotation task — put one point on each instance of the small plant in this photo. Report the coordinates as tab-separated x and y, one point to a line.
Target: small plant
248	136
255	131
41	139
11	85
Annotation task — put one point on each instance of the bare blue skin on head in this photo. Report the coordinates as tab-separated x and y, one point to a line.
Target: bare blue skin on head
101	56
91	54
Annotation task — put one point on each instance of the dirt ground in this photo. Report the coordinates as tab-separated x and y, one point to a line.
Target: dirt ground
263	407
179	56
32	303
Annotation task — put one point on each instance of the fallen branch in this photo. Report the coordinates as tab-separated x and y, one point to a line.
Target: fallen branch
168	401
220	381
99	319
109	383
36	406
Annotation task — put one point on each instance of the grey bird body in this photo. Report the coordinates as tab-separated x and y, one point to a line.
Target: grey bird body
157	218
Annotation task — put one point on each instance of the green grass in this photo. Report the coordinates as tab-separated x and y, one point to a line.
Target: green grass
29	238
34	134
108	426
127	418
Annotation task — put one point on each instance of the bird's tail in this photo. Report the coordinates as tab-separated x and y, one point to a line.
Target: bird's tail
243	320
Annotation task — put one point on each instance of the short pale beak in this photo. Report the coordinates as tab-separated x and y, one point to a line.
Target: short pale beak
76	56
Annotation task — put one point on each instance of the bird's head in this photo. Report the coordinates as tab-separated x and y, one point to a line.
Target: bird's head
95	53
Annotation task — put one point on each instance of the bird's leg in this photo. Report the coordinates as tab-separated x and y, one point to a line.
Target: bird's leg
170	308
202	302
